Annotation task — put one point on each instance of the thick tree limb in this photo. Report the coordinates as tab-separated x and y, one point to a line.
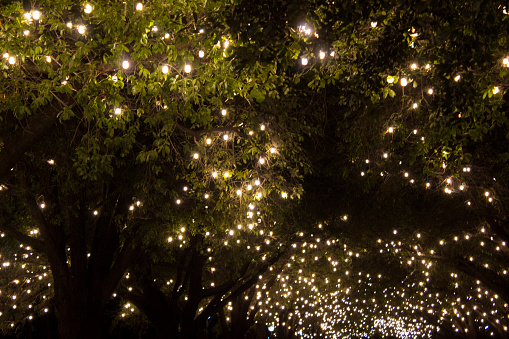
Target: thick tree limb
36	244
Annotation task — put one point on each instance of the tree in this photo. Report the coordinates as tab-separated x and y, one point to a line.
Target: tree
107	120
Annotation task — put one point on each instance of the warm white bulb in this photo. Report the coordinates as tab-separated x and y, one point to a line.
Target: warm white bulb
196	155
88	8
496	90
304	61
223	112
208	141
165	69
403	82
322	54
125	64
139	6
81	29
12	60
430	91
48	58
118	111
36	15
187	68
201	54
69	24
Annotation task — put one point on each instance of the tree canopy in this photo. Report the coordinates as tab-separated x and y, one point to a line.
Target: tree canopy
231	169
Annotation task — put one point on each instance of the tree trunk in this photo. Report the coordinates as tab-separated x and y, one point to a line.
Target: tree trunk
79	320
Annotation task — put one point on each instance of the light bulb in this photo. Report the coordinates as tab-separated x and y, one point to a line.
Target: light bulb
139	6
81	29
125	64
165	69
201	54
12	60
322	54
88	8
403	82
48	58
187	68
36	15
304	61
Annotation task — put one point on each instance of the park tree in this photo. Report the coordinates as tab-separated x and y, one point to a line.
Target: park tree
130	147
117	132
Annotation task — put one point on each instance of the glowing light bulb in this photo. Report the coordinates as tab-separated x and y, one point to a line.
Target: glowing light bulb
415	105
403	82
36	15
390	130
88	8
69	24
125	64
322	54
457	78
374	24
165	69
414	66
187	68
208	141
223	112
48	58
225	137
118	111
390	79
495	90
81	29
304	61
201	54
139	6
214	174
196	155
261	161
430	91
12	60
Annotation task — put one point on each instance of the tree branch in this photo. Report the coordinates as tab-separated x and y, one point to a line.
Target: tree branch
36	244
